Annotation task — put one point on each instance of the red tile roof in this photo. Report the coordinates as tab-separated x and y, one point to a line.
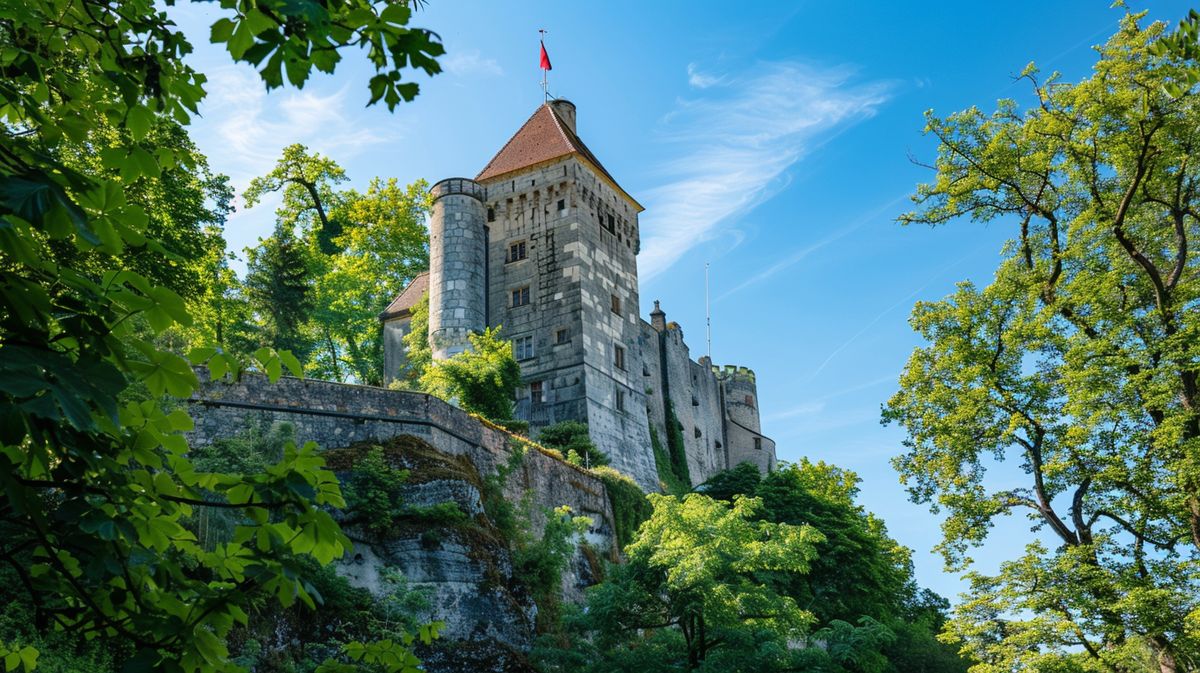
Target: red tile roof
402	305
544	137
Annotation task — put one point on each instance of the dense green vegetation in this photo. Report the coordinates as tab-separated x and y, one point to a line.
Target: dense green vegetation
1077	363
575	443
731	579
107	215
125	549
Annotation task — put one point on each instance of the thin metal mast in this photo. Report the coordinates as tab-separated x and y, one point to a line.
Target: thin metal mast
545	71
707	314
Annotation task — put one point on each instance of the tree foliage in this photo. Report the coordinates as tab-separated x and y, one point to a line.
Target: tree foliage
482	379
336	258
1078	363
96	480
573	439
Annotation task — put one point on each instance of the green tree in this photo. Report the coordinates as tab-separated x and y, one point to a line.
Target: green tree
575	442
418	355
336	258
95	482
482	379
279	287
693	575
311	201
384	244
1077	363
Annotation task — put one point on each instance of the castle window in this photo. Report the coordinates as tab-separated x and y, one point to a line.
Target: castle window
620	400
491	214
562	336
537	392
562	204
516	251
520	296
697	432
616	304
619	357
750	401
758	443
695	402
523	347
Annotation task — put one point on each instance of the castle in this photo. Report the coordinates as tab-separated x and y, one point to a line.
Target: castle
544	242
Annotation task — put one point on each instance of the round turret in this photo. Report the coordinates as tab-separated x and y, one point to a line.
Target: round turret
457	265
741	395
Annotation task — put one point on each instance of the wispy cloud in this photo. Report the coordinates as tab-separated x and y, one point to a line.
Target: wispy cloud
798	256
470	62
734	144
816	406
252	130
700	80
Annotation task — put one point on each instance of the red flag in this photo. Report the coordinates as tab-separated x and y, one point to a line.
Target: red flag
545	57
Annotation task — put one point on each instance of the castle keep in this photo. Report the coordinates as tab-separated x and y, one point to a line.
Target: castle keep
544	243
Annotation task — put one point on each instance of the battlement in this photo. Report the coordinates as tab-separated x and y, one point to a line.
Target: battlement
459	186
733	372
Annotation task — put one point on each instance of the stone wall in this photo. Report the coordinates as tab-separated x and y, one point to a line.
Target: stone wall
469	575
716	407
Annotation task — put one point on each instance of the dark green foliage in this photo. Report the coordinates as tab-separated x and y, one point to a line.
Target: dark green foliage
859	570
662	462
279	286
677	450
441	514
740	480
498	509
864	610
629	504
575	443
373	491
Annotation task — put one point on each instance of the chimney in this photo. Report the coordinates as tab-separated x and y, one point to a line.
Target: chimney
658	319
565	110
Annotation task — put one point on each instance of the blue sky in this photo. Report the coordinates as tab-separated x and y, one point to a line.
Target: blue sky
770	139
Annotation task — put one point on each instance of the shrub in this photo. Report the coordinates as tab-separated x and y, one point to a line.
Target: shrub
373	491
573	440
629	504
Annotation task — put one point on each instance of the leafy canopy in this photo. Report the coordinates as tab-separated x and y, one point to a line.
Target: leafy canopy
1077	363
94	470
482	379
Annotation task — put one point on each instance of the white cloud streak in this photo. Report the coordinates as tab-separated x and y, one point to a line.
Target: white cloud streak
799	255
252	130
736	141
470	62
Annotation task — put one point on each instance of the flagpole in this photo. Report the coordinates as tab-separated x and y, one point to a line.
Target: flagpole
545	91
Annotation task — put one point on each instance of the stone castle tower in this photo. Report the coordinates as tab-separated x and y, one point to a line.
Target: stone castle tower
544	242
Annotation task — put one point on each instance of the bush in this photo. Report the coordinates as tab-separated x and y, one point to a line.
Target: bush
629	504
482	379
441	514
574	441
740	480
373	491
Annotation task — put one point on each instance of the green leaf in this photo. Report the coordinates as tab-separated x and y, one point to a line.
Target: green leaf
138	121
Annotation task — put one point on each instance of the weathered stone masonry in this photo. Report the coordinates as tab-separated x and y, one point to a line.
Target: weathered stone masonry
560	278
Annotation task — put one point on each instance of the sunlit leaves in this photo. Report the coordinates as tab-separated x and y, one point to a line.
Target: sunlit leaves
1066	389
259	34
94	472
